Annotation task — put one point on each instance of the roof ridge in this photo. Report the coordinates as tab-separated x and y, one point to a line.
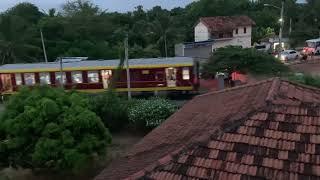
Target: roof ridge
273	89
238	87
301	85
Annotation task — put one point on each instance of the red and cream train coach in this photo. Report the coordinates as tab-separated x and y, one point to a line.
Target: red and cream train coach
154	74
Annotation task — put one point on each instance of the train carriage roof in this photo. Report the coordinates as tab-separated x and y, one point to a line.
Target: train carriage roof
97	65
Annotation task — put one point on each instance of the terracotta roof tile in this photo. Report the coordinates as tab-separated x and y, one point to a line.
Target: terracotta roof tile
226	23
315	139
214	154
272	131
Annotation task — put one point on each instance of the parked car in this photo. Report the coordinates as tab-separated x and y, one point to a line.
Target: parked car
289	55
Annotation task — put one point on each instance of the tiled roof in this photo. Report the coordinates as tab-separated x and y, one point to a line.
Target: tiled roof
226	23
266	130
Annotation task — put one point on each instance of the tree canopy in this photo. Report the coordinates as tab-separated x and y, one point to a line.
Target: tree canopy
81	28
235	59
49	129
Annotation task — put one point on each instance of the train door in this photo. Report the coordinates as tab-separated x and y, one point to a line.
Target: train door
6	82
106	78
171	76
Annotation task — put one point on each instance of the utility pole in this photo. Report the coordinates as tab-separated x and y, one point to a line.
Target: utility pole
126	46
43	47
281	26
61	72
290	29
165	43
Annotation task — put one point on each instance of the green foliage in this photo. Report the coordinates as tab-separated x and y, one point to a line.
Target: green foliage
246	60
46	128
81	28
111	109
307	79
148	114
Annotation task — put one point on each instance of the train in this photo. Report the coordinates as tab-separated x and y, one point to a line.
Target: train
146	75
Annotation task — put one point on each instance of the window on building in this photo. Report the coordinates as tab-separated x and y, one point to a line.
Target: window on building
93	76
29	79
44	78
18	79
76	77
221	35
244	30
237	31
60	80
185	73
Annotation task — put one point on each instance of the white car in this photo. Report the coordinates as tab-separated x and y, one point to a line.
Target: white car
289	55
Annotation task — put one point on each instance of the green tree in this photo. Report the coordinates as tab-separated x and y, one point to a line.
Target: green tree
49	129
80	8
19	36
231	59
17	40
112	110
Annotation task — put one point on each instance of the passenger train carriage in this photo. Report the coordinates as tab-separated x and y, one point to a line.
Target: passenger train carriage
154	74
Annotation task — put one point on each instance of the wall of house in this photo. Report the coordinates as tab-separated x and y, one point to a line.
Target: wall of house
240	39
201	32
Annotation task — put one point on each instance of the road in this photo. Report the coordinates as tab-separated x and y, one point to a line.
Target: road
311	66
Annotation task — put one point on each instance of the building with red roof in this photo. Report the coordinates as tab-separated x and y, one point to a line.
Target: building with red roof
211	33
225	30
266	130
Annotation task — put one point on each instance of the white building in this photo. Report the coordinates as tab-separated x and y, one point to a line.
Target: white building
225	31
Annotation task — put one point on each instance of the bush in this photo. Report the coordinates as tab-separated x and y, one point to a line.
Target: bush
148	114
306	79
245	60
111	109
49	129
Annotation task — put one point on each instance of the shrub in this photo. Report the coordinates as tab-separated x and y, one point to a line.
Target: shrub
148	114
245	60
111	109
49	129
306	79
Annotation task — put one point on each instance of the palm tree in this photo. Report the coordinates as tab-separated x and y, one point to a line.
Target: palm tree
163	31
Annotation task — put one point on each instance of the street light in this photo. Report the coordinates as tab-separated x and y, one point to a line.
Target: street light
281	20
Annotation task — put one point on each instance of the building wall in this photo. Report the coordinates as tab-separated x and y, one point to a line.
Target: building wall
240	39
195	52
199	52
201	32
179	50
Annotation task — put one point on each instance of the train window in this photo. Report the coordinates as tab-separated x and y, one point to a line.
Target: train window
18	79
6	82
29	79
145	72
93	76
185	73
76	77
60	80
44	78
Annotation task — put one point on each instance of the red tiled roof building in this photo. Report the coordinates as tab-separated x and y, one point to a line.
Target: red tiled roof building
266	130
226	23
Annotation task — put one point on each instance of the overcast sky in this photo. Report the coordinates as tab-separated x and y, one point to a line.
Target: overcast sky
111	5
